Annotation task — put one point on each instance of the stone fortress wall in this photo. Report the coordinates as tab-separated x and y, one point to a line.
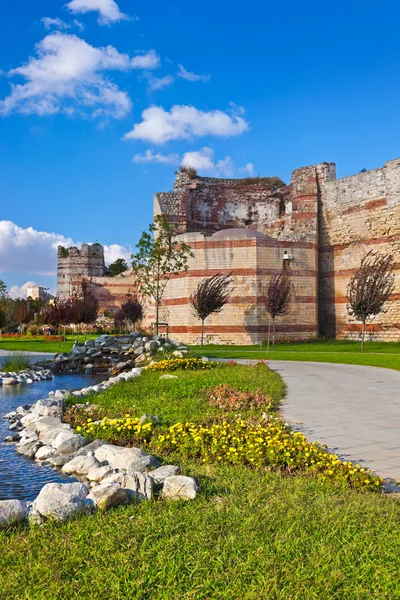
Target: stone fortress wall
246	227
357	214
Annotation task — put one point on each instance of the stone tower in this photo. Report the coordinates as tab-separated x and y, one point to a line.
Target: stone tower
73	264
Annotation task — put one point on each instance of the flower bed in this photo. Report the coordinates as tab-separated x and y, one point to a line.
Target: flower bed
186	364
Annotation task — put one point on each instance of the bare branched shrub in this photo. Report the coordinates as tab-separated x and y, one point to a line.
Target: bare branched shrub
210	297
131	311
277	299
370	288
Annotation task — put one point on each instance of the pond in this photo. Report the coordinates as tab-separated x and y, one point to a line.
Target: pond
20	477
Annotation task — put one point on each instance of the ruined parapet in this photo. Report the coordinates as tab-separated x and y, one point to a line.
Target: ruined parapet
73	264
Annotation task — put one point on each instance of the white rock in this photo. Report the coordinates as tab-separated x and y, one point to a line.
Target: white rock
60	501
100	473
160	475
81	465
107	496
139	486
12	511
62	437
44	452
179	487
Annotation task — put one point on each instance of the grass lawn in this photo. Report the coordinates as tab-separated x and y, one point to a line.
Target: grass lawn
376	354
31	344
250	534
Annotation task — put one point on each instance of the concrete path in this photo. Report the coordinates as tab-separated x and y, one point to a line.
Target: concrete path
354	410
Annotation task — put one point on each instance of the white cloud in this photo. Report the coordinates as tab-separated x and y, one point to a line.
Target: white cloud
108	10
203	160
148	60
150	157
68	76
249	168
20	291
183	122
27	250
57	23
114	251
158	83
190	76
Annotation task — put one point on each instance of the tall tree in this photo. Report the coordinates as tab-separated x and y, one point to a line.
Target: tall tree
277	300
117	267
159	257
370	288
210	297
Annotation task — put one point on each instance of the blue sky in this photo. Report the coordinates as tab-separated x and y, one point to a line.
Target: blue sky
263	88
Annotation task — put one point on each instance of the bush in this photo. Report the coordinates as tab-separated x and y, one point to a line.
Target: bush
18	362
229	398
274	444
125	431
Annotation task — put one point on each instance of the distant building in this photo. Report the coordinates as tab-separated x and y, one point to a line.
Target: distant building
37	292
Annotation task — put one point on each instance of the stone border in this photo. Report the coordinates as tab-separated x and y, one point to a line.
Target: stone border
25	376
111	475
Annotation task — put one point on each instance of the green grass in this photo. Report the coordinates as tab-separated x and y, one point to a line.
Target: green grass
30	344
376	354
247	536
17	362
250	534
183	399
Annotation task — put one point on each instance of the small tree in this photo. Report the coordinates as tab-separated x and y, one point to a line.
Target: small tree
84	310
3	320
159	257
370	288
210	297
22	313
61	312
117	267
277	300
131	311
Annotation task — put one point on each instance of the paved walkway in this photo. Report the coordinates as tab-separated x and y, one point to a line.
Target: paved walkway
354	410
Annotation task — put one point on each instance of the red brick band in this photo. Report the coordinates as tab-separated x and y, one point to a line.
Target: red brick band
245	272
240	300
242	329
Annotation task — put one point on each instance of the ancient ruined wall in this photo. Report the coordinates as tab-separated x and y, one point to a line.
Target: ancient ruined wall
357	214
111	292
252	258
74	263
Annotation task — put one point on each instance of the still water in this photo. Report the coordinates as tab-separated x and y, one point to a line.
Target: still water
20	477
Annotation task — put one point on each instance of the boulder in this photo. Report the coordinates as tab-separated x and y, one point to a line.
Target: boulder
60	501
169	376
139	486
99	473
9	380
81	465
160	475
46	424
179	487
108	496
63	436
29	450
12	511
129	459
72	444
44	453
